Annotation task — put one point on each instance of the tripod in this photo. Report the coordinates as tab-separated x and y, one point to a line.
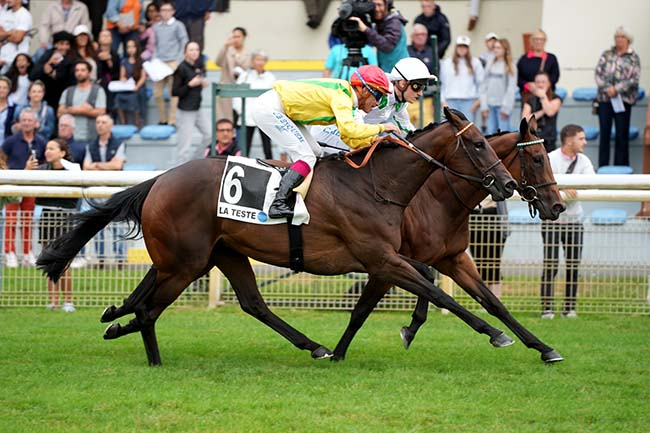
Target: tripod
354	60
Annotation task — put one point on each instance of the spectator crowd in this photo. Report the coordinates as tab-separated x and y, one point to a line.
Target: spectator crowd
97	62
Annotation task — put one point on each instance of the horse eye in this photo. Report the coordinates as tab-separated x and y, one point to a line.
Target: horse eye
538	160
479	144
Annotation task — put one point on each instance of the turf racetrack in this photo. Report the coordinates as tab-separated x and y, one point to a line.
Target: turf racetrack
225	372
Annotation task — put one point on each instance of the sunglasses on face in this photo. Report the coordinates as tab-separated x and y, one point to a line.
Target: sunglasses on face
375	93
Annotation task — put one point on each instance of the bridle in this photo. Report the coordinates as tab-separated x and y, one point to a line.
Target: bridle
487	179
527	192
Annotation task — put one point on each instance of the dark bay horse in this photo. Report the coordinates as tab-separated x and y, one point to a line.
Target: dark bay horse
355	223
435	231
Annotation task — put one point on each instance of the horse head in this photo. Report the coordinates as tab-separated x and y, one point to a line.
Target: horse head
474	160
537	185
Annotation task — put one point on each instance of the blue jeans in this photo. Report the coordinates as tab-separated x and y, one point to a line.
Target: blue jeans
495	122
121	38
464	106
118	243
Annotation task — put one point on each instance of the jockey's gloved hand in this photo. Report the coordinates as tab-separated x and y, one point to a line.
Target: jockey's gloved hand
389	140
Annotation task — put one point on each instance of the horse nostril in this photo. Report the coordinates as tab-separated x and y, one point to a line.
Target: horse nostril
558	208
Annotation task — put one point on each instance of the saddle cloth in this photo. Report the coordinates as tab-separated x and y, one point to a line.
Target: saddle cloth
247	191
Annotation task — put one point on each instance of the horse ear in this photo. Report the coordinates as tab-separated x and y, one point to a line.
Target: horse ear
523	127
450	116
532	124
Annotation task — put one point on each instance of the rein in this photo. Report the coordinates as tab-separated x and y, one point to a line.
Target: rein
486	181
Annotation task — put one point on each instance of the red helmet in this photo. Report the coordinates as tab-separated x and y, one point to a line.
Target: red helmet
371	76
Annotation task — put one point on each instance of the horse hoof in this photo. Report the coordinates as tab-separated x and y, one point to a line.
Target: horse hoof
108	314
112	331
407	337
501	340
551	356
321	352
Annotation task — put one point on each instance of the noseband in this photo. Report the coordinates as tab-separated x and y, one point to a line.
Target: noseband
527	192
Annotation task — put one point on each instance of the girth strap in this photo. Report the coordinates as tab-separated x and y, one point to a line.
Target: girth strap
296	258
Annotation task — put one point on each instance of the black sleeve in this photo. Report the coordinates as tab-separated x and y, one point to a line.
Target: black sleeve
520	79
444	39
179	85
37	71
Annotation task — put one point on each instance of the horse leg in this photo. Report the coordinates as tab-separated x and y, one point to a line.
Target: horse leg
418	318
135	299
372	293
237	268
464	272
409	275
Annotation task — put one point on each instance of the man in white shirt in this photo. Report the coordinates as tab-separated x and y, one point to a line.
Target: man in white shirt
15	24
568	229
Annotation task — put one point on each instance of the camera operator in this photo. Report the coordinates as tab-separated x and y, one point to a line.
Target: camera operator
388	36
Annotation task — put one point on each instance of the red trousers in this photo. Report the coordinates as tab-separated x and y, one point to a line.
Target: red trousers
26	207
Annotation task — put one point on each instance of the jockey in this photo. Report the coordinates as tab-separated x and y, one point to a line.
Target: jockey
283	112
409	79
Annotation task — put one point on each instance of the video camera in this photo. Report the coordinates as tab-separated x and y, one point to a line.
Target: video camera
347	30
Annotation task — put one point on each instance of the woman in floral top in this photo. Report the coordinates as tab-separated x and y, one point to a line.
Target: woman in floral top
617	77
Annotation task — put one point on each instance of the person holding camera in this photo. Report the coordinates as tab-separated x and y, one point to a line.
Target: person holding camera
285	111
388	36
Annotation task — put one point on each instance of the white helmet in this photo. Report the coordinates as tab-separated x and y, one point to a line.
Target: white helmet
410	69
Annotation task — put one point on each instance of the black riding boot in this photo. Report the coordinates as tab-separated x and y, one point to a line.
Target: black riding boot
279	208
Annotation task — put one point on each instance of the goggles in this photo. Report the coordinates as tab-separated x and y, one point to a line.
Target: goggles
416	85
375	93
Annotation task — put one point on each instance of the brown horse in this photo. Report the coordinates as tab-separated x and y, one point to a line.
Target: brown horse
355	227
435	231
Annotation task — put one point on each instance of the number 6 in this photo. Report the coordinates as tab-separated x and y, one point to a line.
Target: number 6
231	182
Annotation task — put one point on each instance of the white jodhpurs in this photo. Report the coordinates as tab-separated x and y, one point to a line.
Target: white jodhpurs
270	117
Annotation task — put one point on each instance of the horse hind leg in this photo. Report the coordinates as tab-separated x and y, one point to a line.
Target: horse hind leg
237	268
135	300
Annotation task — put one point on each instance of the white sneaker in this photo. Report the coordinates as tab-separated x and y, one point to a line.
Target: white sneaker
78	262
51	307
548	315
29	259
68	308
571	314
11	261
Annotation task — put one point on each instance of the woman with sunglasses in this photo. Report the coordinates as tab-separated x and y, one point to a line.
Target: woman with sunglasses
284	112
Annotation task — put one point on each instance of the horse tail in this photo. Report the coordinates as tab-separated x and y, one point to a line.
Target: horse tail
124	206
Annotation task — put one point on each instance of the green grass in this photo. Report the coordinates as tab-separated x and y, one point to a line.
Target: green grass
225	372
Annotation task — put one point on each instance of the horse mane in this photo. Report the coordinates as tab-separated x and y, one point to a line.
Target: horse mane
434	125
497	134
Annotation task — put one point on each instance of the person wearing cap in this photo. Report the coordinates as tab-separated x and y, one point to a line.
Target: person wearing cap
61	15
617	78
54	68
388	35
15	24
84	48
490	39
436	23
123	20
409	79
285	111
534	61
460	78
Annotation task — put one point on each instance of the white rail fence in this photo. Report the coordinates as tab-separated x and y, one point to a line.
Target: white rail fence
614	272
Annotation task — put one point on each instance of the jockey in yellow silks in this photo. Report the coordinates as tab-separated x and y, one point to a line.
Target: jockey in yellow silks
284	112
